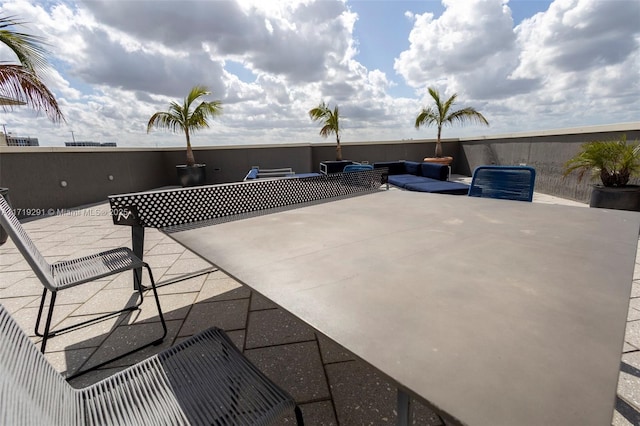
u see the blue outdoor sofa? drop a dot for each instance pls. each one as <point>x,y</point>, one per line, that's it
<point>422,177</point>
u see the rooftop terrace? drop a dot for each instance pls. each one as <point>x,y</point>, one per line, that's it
<point>330,384</point>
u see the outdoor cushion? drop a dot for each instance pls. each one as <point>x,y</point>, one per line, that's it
<point>439,186</point>
<point>403,180</point>
<point>412,168</point>
<point>434,171</point>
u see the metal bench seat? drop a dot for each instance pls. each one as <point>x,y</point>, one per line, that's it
<point>204,380</point>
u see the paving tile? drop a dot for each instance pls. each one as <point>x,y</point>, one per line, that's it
<point>333,352</point>
<point>13,304</point>
<point>259,302</point>
<point>107,300</point>
<point>227,315</point>
<point>633,333</point>
<point>16,267</point>
<point>165,248</point>
<point>161,261</point>
<point>187,266</point>
<point>295,367</point>
<point>276,327</point>
<point>186,285</point>
<point>315,413</point>
<point>11,277</point>
<point>363,397</point>
<point>67,362</point>
<point>10,258</point>
<point>174,307</point>
<point>78,294</point>
<point>629,380</point>
<point>90,336</point>
<point>620,420</point>
<point>28,286</point>
<point>224,288</point>
<point>26,317</point>
<point>128,337</point>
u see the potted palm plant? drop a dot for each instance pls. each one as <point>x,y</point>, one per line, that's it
<point>440,114</point>
<point>613,162</point>
<point>331,123</point>
<point>188,118</point>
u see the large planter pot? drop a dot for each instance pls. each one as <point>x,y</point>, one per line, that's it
<point>192,175</point>
<point>4,192</point>
<point>439,160</point>
<point>618,198</point>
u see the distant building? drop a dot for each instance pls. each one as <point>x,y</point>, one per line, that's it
<point>9,140</point>
<point>88,143</point>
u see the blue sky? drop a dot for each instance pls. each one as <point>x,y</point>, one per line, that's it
<point>527,65</point>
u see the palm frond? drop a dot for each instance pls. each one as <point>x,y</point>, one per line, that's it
<point>330,119</point>
<point>22,82</point>
<point>29,49</point>
<point>465,115</point>
<point>23,85</point>
<point>426,117</point>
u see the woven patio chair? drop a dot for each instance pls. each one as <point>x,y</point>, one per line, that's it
<point>504,182</point>
<point>70,273</point>
<point>204,380</point>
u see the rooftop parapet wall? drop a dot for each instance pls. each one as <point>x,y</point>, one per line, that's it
<point>35,175</point>
<point>547,153</point>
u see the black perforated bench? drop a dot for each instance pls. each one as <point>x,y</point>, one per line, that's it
<point>176,209</point>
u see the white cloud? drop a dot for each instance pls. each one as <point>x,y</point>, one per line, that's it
<point>559,67</point>
<point>117,62</point>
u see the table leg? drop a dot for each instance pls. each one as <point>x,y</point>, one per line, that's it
<point>404,408</point>
<point>137,245</point>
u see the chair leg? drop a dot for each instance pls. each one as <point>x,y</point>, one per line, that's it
<point>47,326</point>
<point>42,299</point>
<point>155,295</point>
<point>299,419</point>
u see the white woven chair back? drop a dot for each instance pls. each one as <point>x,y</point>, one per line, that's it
<point>21,239</point>
<point>32,392</point>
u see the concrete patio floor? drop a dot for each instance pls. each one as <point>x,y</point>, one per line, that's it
<point>331,385</point>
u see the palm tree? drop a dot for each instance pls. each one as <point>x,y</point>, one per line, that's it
<point>21,84</point>
<point>613,161</point>
<point>331,121</point>
<point>440,115</point>
<point>184,118</point>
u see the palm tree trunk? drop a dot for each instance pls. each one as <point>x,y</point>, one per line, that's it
<point>190,159</point>
<point>438,144</point>
<point>338,149</point>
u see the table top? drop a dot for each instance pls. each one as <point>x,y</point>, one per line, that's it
<point>493,311</point>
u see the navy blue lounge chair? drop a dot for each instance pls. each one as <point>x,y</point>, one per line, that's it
<point>503,182</point>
